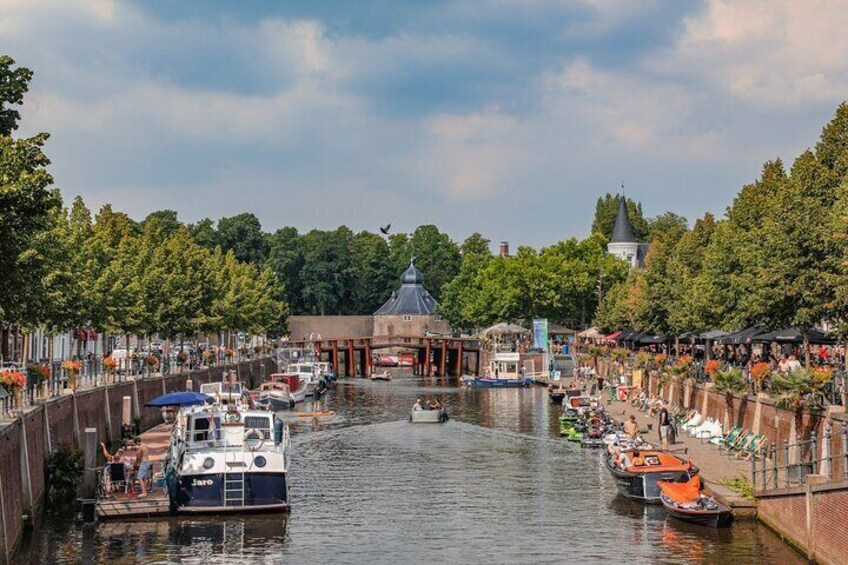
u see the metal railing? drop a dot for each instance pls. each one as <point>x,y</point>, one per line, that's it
<point>93,373</point>
<point>789,465</point>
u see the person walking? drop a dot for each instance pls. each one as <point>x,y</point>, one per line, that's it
<point>144,466</point>
<point>665,427</point>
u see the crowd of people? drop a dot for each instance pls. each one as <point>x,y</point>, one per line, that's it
<point>129,467</point>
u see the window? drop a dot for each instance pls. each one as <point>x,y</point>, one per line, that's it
<point>407,318</point>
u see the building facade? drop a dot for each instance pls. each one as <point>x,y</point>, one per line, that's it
<point>410,310</point>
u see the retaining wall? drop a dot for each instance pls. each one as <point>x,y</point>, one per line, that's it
<point>810,517</point>
<point>61,421</point>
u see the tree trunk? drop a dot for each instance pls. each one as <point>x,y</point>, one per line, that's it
<point>806,350</point>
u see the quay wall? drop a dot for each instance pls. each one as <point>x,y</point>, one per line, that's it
<point>27,440</point>
<point>810,517</point>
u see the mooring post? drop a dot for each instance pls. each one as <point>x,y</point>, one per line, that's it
<point>799,461</point>
<point>828,443</point>
<point>89,478</point>
<point>754,472</point>
<point>189,385</point>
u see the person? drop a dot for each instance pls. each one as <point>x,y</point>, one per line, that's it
<point>623,460</point>
<point>665,427</point>
<point>783,365</point>
<point>435,405</point>
<point>600,384</point>
<point>631,428</point>
<point>117,459</point>
<point>794,364</point>
<point>417,406</point>
<point>144,466</point>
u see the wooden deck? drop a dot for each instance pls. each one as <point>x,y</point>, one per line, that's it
<point>156,503</point>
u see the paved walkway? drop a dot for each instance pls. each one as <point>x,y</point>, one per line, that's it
<point>715,467</point>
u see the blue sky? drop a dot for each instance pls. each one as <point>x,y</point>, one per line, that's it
<point>501,116</point>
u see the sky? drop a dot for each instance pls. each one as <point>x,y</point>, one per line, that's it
<point>505,117</point>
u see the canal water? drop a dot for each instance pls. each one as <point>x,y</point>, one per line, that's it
<point>496,484</point>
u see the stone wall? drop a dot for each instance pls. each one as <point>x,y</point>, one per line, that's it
<point>61,421</point>
<point>330,327</point>
<point>810,517</point>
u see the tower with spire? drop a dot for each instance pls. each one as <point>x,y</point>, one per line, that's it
<point>624,244</point>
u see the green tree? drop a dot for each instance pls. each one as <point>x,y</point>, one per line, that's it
<point>372,276</point>
<point>203,232</point>
<point>798,391</point>
<point>242,234</point>
<point>730,383</point>
<point>327,275</point>
<point>285,259</point>
<point>437,257</point>
<point>14,83</point>
<point>475,243</point>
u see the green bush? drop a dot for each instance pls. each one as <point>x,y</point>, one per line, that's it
<point>64,472</point>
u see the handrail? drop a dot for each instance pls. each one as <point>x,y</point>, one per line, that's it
<point>795,473</point>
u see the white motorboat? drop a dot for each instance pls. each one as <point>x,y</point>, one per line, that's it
<point>225,392</point>
<point>228,459</point>
<point>428,416</point>
<point>274,396</point>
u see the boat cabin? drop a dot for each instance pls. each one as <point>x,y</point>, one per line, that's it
<point>213,428</point>
<point>223,392</point>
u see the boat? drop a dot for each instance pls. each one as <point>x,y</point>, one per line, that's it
<point>496,382</point>
<point>428,416</point>
<point>559,393</point>
<point>274,396</point>
<point>686,501</point>
<point>308,373</point>
<point>223,392</point>
<point>637,473</point>
<point>384,376</point>
<point>228,459</point>
<point>316,414</point>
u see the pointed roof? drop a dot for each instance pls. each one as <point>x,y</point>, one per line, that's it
<point>411,299</point>
<point>622,232</point>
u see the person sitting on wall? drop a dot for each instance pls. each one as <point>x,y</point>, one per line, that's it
<point>435,405</point>
<point>417,406</point>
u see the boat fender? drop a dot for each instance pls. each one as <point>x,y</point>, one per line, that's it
<point>278,432</point>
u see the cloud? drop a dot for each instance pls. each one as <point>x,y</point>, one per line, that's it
<point>508,119</point>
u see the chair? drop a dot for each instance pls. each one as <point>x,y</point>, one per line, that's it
<point>117,476</point>
<point>728,439</point>
<point>742,440</point>
<point>752,449</point>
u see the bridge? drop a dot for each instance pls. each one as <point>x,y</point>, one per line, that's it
<point>435,355</point>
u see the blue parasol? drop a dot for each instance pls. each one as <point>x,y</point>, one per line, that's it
<point>187,398</point>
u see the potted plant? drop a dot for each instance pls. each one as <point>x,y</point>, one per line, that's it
<point>72,368</point>
<point>759,372</point>
<point>209,357</point>
<point>228,353</point>
<point>798,391</point>
<point>41,373</point>
<point>14,382</point>
<point>151,360</point>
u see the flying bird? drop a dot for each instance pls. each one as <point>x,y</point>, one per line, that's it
<point>386,229</point>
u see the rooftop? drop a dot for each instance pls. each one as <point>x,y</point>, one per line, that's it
<point>411,299</point>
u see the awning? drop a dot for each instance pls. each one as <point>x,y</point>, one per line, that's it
<point>591,333</point>
<point>743,336</point>
<point>796,335</point>
<point>713,335</point>
<point>657,339</point>
<point>613,336</point>
<point>504,329</point>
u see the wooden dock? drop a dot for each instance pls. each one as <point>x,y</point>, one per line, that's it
<point>121,504</point>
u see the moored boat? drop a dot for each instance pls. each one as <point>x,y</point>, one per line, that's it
<point>228,459</point>
<point>497,382</point>
<point>637,473</point>
<point>384,376</point>
<point>274,396</point>
<point>686,501</point>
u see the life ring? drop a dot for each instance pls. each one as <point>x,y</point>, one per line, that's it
<point>260,435</point>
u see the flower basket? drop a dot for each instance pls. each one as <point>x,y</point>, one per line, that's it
<point>151,361</point>
<point>182,358</point>
<point>759,371</point>
<point>110,364</point>
<point>73,369</point>
<point>14,382</point>
<point>41,374</point>
<point>228,353</point>
<point>712,367</point>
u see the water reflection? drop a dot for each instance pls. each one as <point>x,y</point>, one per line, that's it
<point>496,484</point>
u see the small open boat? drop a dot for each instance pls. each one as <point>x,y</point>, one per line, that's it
<point>439,416</point>
<point>384,376</point>
<point>316,414</point>
<point>685,501</point>
<point>637,473</point>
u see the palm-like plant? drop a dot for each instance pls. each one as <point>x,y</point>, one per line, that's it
<point>797,391</point>
<point>730,383</point>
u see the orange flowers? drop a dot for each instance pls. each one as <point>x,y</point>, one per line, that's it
<point>712,367</point>
<point>760,370</point>
<point>660,358</point>
<point>12,380</point>
<point>684,362</point>
<point>823,374</point>
<point>41,372</point>
<point>71,366</point>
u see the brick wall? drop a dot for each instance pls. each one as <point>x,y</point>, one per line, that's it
<point>331,326</point>
<point>90,412</point>
<point>821,535</point>
<point>11,486</point>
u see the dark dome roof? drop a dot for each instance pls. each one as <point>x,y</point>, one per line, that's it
<point>411,298</point>
<point>412,275</point>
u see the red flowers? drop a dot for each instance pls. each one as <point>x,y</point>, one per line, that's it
<point>12,380</point>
